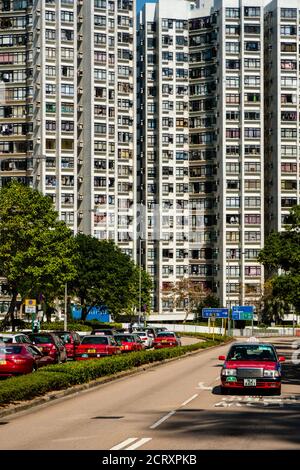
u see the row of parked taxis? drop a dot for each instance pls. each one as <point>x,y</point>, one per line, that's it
<point>26,352</point>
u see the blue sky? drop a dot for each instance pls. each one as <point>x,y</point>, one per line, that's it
<point>140,3</point>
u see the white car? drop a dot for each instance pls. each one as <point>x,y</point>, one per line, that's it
<point>145,338</point>
<point>14,338</point>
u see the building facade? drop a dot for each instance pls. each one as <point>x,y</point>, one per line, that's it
<point>67,110</point>
<point>241,160</point>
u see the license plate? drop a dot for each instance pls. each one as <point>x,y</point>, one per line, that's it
<point>91,351</point>
<point>2,363</point>
<point>250,382</point>
<point>164,341</point>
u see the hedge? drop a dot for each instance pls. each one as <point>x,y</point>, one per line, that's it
<point>62,376</point>
<point>78,326</point>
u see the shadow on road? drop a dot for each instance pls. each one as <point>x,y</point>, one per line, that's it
<point>242,392</point>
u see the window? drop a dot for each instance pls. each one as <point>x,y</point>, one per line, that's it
<point>233,202</point>
<point>252,201</point>
<point>252,97</point>
<point>252,219</point>
<point>288,12</point>
<point>252,46</point>
<point>232,12</point>
<point>252,132</point>
<point>251,11</point>
<point>232,47</point>
<point>252,236</point>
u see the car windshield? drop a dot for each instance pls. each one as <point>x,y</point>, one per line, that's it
<point>10,350</point>
<point>93,340</point>
<point>65,337</point>
<point>165,334</point>
<point>41,339</point>
<point>141,333</point>
<point>253,352</point>
<point>125,338</point>
<point>6,339</point>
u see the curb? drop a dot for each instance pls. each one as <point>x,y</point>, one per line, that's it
<point>60,395</point>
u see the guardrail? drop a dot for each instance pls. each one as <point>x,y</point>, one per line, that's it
<point>246,332</point>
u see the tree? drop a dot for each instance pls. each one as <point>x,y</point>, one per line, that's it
<point>282,252</point>
<point>274,308</point>
<point>37,251</point>
<point>185,293</point>
<point>210,301</point>
<point>106,276</point>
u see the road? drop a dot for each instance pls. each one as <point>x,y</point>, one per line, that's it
<point>175,406</point>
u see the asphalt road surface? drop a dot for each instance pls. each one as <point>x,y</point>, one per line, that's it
<point>175,406</point>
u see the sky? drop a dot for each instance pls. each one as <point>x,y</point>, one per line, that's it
<point>140,3</point>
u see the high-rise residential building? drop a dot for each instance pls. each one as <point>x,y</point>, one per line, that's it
<point>237,161</point>
<point>282,151</point>
<point>163,143</point>
<point>67,109</point>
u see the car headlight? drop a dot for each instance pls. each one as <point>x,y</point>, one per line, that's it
<point>227,372</point>
<point>271,373</point>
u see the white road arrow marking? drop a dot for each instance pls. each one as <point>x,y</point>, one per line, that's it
<point>203,387</point>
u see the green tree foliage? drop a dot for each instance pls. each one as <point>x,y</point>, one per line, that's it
<point>282,252</point>
<point>210,301</point>
<point>107,276</point>
<point>37,251</point>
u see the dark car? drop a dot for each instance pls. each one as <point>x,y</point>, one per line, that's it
<point>17,359</point>
<point>103,331</point>
<point>71,340</point>
<point>251,366</point>
<point>50,344</point>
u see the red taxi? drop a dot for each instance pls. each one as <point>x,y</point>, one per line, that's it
<point>17,359</point>
<point>166,339</point>
<point>129,342</point>
<point>251,366</point>
<point>93,347</point>
<point>50,344</point>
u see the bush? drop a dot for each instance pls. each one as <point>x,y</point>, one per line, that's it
<point>61,376</point>
<point>79,326</point>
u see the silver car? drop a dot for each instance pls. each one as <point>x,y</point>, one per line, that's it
<point>145,338</point>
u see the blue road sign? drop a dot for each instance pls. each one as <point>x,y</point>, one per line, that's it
<point>218,312</point>
<point>242,312</point>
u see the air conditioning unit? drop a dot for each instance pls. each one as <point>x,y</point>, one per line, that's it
<point>80,215</point>
<point>80,197</point>
<point>80,179</point>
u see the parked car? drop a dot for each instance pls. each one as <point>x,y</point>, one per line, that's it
<point>17,359</point>
<point>251,366</point>
<point>50,344</point>
<point>129,342</point>
<point>145,338</point>
<point>166,339</point>
<point>18,338</point>
<point>96,346</point>
<point>103,331</point>
<point>71,340</point>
